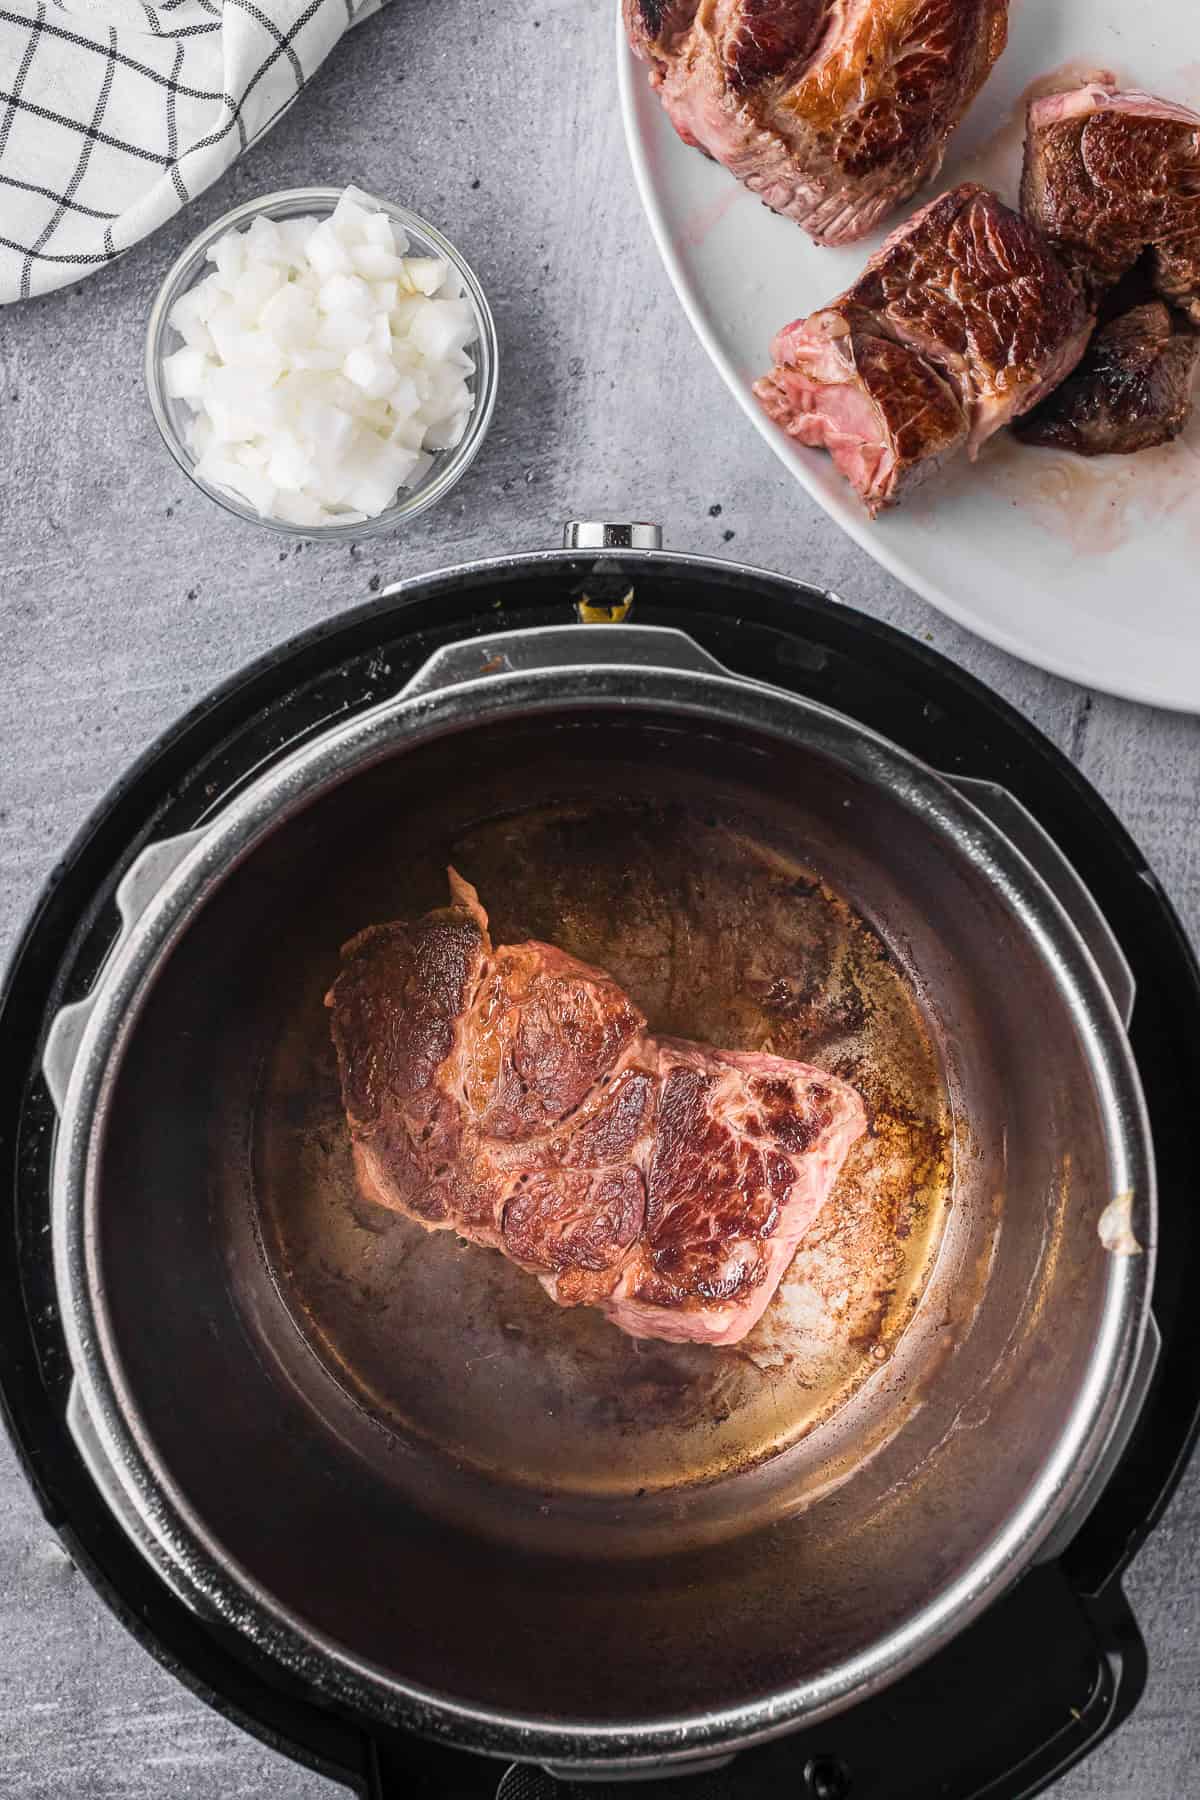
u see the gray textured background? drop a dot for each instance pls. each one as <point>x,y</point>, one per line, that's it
<point>124,595</point>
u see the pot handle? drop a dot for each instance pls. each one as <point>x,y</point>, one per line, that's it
<point>563,647</point>
<point>1038,847</point>
<point>141,881</point>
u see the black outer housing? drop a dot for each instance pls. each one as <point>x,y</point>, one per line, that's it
<point>1049,1670</point>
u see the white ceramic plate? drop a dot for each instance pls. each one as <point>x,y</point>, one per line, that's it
<point>1089,568</point>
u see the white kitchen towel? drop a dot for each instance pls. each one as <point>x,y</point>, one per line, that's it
<point>115,113</point>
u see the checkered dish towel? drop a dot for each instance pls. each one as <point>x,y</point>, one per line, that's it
<point>115,113</point>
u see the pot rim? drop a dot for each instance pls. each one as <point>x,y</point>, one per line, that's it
<point>177,1541</point>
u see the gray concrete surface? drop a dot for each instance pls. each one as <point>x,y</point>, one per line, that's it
<point>124,595</point>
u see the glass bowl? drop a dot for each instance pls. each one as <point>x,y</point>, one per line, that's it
<point>172,415</point>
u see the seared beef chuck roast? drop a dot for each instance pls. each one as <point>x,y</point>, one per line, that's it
<point>962,320</point>
<point>1131,391</point>
<point>1111,176</point>
<point>832,111</point>
<point>513,1094</point>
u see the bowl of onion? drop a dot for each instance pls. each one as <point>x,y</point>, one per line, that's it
<point>322,362</point>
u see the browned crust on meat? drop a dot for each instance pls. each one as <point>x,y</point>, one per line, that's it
<point>513,1095</point>
<point>792,1130</point>
<point>960,322</point>
<point>575,1218</point>
<point>706,1189</point>
<point>834,114</point>
<point>920,413</point>
<point>886,89</point>
<point>544,1028</point>
<point>1131,392</point>
<point>401,991</point>
<point>978,286</point>
<point>1107,184</point>
<point>767,39</point>
<point>919,416</point>
<point>655,27</point>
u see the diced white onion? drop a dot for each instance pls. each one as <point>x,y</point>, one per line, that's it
<point>343,294</point>
<point>298,509</point>
<point>289,317</point>
<point>343,331</point>
<point>326,252</point>
<point>425,274</point>
<point>371,372</point>
<point>376,263</point>
<point>350,215</point>
<point>183,373</point>
<point>229,255</point>
<point>380,231</point>
<point>324,367</point>
<point>265,242</point>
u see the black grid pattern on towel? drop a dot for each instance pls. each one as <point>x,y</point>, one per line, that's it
<point>90,107</point>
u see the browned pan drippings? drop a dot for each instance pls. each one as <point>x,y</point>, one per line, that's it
<point>718,937</point>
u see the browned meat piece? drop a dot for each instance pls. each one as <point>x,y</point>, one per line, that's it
<point>514,1095</point>
<point>1131,391</point>
<point>1111,176</point>
<point>832,111</point>
<point>961,321</point>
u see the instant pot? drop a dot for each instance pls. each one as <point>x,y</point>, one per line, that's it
<point>400,1610</point>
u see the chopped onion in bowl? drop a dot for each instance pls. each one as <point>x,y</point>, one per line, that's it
<point>323,365</point>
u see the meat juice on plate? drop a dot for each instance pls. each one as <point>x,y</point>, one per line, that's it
<point>718,937</point>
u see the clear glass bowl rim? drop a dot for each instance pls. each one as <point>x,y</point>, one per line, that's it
<point>293,202</point>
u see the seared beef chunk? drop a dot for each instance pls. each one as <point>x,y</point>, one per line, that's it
<point>961,321</point>
<point>514,1095</point>
<point>833,111</point>
<point>1131,391</point>
<point>1109,176</point>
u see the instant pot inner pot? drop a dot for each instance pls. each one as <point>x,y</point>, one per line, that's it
<point>403,1441</point>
